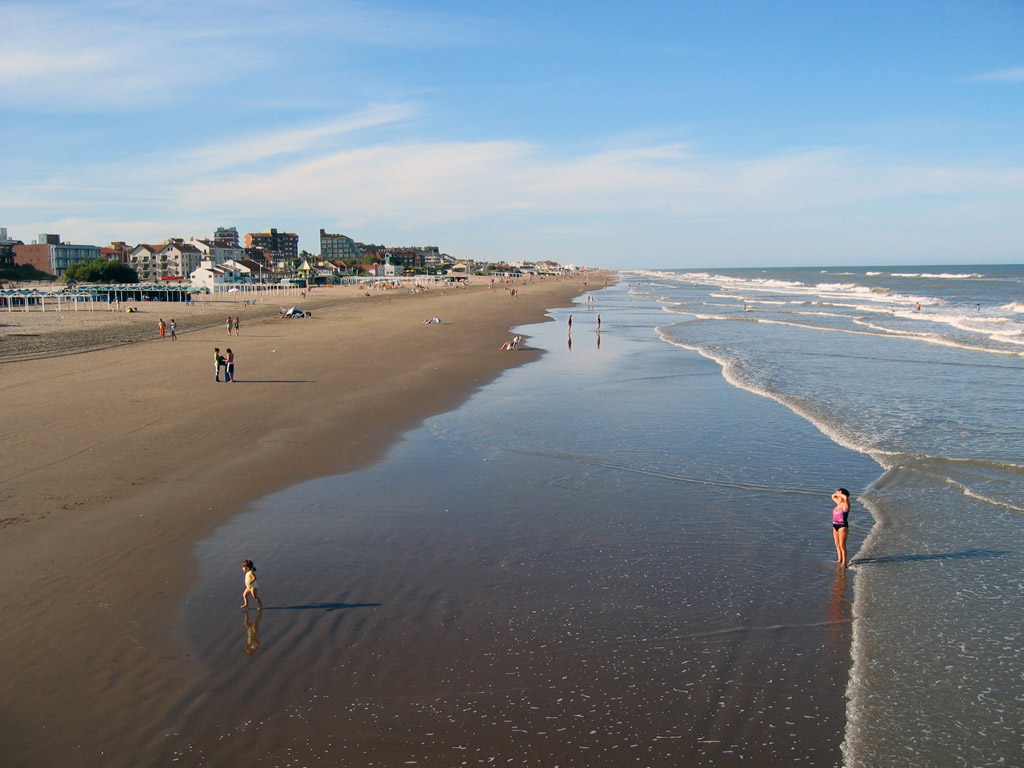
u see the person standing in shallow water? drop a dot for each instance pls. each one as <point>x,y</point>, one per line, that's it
<point>841,523</point>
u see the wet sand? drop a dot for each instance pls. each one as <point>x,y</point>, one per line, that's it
<point>554,573</point>
<point>117,461</point>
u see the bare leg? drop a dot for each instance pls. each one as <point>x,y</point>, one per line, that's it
<point>842,545</point>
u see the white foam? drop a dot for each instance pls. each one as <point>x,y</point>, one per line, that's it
<point>731,374</point>
<point>938,276</point>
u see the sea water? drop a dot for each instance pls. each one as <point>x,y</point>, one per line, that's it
<point>921,369</point>
<point>615,556</point>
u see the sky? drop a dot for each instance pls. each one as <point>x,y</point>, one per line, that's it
<point>648,134</point>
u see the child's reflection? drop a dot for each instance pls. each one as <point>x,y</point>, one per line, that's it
<point>252,627</point>
<point>838,617</point>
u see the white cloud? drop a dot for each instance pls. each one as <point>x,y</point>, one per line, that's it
<point>252,150</point>
<point>97,55</point>
<point>480,194</point>
<point>999,76</point>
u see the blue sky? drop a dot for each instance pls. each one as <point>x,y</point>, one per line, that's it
<point>643,134</point>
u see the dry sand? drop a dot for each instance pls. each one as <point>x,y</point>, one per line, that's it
<point>117,460</point>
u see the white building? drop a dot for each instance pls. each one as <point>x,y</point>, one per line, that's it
<point>216,252</point>
<point>214,277</point>
<point>178,258</point>
<point>143,259</point>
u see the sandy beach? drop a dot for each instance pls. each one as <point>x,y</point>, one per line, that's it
<point>117,460</point>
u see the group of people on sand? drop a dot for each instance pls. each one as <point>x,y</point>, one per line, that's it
<point>233,325</point>
<point>225,362</point>
<point>164,328</point>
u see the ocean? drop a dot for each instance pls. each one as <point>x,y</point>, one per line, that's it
<point>919,368</point>
<point>621,553</point>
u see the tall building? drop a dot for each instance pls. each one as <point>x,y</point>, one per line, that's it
<point>275,245</point>
<point>226,237</point>
<point>338,247</point>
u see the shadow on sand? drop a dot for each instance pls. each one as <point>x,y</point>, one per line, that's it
<point>320,606</point>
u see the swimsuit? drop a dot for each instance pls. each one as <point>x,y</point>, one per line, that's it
<point>839,518</point>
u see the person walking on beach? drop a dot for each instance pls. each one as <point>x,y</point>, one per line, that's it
<point>598,323</point>
<point>162,328</point>
<point>251,587</point>
<point>841,523</point>
<point>218,363</point>
<point>174,330</point>
<point>236,324</point>
<point>229,366</point>
<point>570,323</point>
<point>231,324</point>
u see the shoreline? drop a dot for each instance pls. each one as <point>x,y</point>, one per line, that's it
<point>95,560</point>
<point>583,588</point>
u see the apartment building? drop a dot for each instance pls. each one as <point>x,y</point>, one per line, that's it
<point>334,247</point>
<point>275,245</point>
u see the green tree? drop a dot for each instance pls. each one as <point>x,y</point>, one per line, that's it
<point>24,272</point>
<point>100,270</point>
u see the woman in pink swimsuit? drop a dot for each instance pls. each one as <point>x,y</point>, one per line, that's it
<point>840,523</point>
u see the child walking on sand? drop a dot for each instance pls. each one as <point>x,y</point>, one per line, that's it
<point>251,587</point>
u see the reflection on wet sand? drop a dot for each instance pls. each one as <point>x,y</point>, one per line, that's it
<point>252,627</point>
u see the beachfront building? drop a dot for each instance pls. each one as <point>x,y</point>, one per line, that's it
<point>217,251</point>
<point>380,270</point>
<point>214,277</point>
<point>333,247</point>
<point>415,257</point>
<point>143,259</point>
<point>283,246</point>
<point>178,259</point>
<point>49,254</point>
<point>248,270</point>
<point>166,261</point>
<point>460,269</point>
<point>331,271</point>
<point>116,251</point>
<point>305,270</point>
